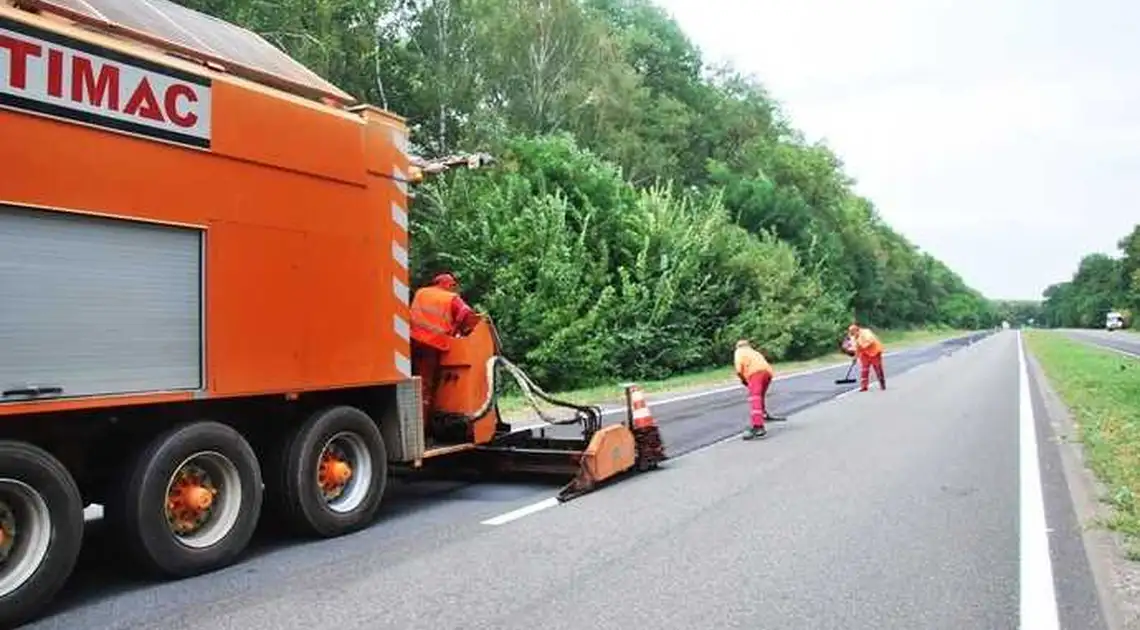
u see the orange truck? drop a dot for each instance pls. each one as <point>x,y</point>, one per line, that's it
<point>204,303</point>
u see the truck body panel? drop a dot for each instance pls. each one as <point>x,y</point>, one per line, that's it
<point>79,291</point>
<point>303,281</point>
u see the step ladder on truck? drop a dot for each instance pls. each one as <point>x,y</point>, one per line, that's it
<point>197,332</point>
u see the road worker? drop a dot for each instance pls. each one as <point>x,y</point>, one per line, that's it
<point>439,314</point>
<point>755,373</point>
<point>869,351</point>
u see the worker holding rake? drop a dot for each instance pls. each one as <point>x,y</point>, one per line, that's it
<point>869,351</point>
<point>755,373</point>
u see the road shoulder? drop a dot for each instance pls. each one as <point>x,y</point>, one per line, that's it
<point>1116,578</point>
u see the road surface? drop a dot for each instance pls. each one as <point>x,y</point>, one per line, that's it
<point>1123,341</point>
<point>895,509</point>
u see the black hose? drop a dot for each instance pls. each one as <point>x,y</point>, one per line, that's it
<point>589,416</point>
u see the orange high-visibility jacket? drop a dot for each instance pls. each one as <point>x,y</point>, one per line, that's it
<point>432,321</point>
<point>867,344</point>
<point>749,361</point>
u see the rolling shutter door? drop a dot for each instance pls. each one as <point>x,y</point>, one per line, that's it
<point>98,306</point>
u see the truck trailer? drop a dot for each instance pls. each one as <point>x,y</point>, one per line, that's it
<point>205,304</point>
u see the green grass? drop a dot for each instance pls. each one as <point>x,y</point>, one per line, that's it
<point>892,339</point>
<point>1102,390</point>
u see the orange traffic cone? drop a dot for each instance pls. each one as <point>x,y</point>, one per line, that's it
<point>647,437</point>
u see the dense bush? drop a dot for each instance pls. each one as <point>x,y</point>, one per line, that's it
<point>588,277</point>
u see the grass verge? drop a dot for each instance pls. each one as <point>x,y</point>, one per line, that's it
<point>1102,391</point>
<point>511,405</point>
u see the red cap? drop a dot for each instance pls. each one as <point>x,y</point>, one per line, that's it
<point>445,280</point>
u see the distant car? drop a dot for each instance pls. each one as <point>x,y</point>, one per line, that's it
<point>1113,321</point>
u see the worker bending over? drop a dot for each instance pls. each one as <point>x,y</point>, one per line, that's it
<point>755,373</point>
<point>439,314</point>
<point>869,350</point>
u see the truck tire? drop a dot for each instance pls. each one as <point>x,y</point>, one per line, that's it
<point>190,501</point>
<point>40,502</point>
<point>308,493</point>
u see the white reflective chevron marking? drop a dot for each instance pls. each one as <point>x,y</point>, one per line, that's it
<point>400,254</point>
<point>403,364</point>
<point>400,216</point>
<point>402,328</point>
<point>400,289</point>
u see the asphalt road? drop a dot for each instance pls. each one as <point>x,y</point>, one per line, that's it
<point>690,421</point>
<point>895,509</point>
<point>1123,341</point>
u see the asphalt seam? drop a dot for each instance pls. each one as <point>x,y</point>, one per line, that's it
<point>550,502</point>
<point>728,388</point>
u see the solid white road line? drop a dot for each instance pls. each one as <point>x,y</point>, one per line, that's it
<point>1038,597</point>
<point>526,510</point>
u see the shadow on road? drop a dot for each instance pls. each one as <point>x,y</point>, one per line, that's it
<point>102,570</point>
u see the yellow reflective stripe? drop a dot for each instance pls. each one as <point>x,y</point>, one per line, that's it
<point>429,315</point>
<point>431,309</point>
<point>429,326</point>
<point>428,323</point>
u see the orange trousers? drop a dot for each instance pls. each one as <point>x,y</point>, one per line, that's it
<point>425,364</point>
<point>757,389</point>
<point>865,365</point>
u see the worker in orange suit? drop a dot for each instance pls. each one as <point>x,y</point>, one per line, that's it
<point>439,314</point>
<point>869,350</point>
<point>755,373</point>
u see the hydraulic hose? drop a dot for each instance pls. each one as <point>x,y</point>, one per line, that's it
<point>589,417</point>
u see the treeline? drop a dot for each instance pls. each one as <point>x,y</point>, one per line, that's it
<point>1100,284</point>
<point>1019,312</point>
<point>647,209</point>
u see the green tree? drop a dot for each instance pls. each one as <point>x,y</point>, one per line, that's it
<point>647,210</point>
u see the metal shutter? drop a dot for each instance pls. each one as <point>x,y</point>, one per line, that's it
<point>98,306</point>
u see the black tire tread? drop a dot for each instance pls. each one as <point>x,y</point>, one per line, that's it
<point>123,507</point>
<point>292,497</point>
<point>66,506</point>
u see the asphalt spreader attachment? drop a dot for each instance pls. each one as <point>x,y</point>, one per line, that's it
<point>470,439</point>
<point>611,452</point>
<point>596,457</point>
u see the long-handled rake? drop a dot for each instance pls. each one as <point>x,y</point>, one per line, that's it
<point>849,379</point>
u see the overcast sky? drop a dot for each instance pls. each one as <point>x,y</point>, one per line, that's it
<point>1001,136</point>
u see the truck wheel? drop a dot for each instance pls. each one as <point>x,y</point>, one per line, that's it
<point>333,472</point>
<point>191,501</point>
<point>41,529</point>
